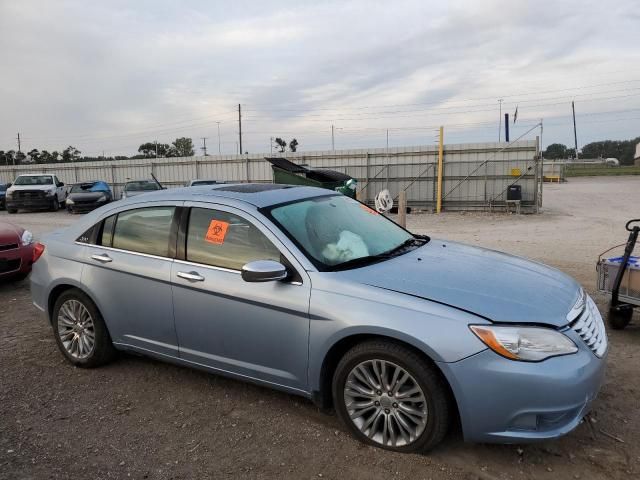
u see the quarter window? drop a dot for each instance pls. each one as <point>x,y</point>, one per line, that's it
<point>106,234</point>
<point>144,230</point>
<point>222,239</point>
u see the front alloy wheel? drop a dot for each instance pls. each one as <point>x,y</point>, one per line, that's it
<point>391,396</point>
<point>385,403</point>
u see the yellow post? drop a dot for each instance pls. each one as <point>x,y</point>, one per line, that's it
<point>440,168</point>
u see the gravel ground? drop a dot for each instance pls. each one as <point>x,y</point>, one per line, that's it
<point>139,418</point>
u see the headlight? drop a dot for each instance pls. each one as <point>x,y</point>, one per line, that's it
<point>27,238</point>
<point>8,194</point>
<point>528,344</point>
<point>70,201</point>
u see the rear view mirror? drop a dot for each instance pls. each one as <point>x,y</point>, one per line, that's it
<point>264,271</point>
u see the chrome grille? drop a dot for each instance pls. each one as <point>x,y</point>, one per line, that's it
<point>589,325</point>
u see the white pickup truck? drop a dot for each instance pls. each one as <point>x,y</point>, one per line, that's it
<point>35,192</point>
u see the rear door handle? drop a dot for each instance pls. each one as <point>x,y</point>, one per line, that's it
<point>102,257</point>
<point>191,276</point>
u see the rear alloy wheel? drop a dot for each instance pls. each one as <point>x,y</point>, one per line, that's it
<point>390,397</point>
<point>80,331</point>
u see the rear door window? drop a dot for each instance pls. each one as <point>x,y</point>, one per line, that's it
<point>143,230</point>
<point>226,240</point>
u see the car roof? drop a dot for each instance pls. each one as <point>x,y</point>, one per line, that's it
<point>36,175</point>
<point>256,194</point>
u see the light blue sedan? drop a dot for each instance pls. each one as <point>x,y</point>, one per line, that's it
<point>314,293</point>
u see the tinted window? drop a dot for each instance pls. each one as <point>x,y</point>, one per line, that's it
<point>225,240</point>
<point>106,235</point>
<point>144,230</point>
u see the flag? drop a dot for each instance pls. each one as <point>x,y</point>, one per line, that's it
<point>515,115</point>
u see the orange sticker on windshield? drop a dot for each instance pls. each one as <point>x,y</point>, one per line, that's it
<point>368,209</point>
<point>216,232</point>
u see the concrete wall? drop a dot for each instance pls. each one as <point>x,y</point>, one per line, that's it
<point>475,175</point>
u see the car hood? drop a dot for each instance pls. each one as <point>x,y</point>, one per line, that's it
<point>86,196</point>
<point>494,285</point>
<point>9,233</point>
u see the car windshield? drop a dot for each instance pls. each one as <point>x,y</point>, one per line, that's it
<point>337,232</point>
<point>83,187</point>
<point>203,182</point>
<point>34,180</point>
<point>141,186</point>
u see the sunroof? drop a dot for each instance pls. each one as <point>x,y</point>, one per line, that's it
<point>252,187</point>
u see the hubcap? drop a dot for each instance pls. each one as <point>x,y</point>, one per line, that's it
<point>75,328</point>
<point>385,403</point>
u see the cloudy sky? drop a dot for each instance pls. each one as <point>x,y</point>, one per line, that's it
<point>107,76</point>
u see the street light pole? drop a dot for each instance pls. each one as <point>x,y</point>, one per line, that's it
<point>219,147</point>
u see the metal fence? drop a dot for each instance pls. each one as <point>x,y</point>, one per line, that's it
<point>476,176</point>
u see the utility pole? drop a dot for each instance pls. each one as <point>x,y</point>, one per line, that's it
<point>271,145</point>
<point>506,127</point>
<point>219,145</point>
<point>333,144</point>
<point>204,145</point>
<point>575,134</point>
<point>156,142</point>
<point>18,142</point>
<point>500,119</point>
<point>240,127</point>
<point>387,139</point>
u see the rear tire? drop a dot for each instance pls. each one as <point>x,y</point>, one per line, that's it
<point>404,416</point>
<point>80,331</point>
<point>12,210</point>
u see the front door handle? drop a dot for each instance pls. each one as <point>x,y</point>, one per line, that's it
<point>102,257</point>
<point>191,276</point>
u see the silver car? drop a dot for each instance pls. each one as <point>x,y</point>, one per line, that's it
<point>316,294</point>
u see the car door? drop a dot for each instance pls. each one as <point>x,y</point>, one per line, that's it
<point>128,273</point>
<point>256,330</point>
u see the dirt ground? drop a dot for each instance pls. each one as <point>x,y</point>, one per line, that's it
<point>139,418</point>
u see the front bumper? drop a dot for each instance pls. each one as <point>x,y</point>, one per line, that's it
<point>84,207</point>
<point>506,401</point>
<point>30,203</point>
<point>16,261</point>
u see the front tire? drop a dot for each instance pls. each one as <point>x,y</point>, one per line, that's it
<point>391,397</point>
<point>55,205</point>
<point>12,210</point>
<point>80,331</point>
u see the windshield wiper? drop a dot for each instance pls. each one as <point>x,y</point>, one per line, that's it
<point>368,259</point>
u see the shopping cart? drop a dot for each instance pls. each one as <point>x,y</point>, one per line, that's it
<point>620,277</point>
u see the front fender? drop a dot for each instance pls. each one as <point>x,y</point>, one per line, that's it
<point>440,331</point>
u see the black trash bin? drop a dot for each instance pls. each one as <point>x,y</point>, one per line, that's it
<point>514,192</point>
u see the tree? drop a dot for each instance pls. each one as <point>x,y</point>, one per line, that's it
<point>181,147</point>
<point>556,151</point>
<point>151,149</point>
<point>71,154</point>
<point>35,155</point>
<point>282,145</point>
<point>623,150</point>
<point>293,145</point>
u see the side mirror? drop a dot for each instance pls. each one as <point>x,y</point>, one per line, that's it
<point>9,184</point>
<point>264,271</point>
<point>61,184</point>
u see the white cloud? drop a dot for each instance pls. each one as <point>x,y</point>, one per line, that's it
<point>112,75</point>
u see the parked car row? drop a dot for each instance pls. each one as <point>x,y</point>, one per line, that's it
<point>46,192</point>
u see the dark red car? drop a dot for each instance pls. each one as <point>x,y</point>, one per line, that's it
<point>16,251</point>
